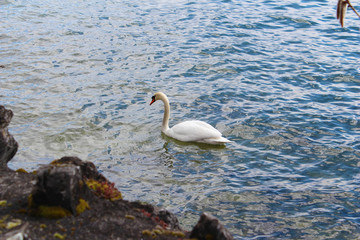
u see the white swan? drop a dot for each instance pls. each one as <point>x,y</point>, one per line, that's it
<point>188,131</point>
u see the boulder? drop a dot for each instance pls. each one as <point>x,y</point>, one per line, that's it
<point>8,145</point>
<point>209,228</point>
<point>57,186</point>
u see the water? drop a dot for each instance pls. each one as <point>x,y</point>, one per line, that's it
<point>278,78</point>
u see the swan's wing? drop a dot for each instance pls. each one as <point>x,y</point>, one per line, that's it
<point>193,131</point>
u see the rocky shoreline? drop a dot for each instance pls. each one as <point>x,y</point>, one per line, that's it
<point>70,199</point>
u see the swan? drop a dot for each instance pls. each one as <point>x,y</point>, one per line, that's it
<point>188,131</point>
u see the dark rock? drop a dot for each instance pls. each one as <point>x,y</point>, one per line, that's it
<point>163,217</point>
<point>209,228</point>
<point>169,218</point>
<point>58,185</point>
<point>15,186</point>
<point>88,169</point>
<point>8,145</point>
<point>5,117</point>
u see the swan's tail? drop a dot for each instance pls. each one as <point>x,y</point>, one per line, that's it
<point>220,140</point>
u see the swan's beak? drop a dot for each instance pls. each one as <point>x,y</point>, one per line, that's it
<point>153,100</point>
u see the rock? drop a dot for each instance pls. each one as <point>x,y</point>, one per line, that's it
<point>209,228</point>
<point>8,145</point>
<point>88,169</point>
<point>58,186</point>
<point>162,217</point>
<point>5,117</point>
<point>17,234</point>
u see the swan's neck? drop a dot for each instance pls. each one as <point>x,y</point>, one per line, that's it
<point>165,122</point>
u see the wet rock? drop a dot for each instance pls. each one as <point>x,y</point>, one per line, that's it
<point>162,217</point>
<point>209,227</point>
<point>87,169</point>
<point>58,186</point>
<point>5,117</point>
<point>8,145</point>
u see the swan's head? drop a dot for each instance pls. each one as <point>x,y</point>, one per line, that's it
<point>158,96</point>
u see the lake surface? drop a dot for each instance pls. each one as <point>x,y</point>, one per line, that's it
<point>278,78</point>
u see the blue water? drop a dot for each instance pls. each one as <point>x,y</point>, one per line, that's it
<point>279,78</point>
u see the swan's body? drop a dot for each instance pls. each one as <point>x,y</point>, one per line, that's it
<point>188,131</point>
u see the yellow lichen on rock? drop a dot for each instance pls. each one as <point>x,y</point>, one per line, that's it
<point>57,162</point>
<point>13,223</point>
<point>157,231</point>
<point>3,203</point>
<point>30,200</point>
<point>47,211</point>
<point>82,206</point>
<point>148,233</point>
<point>21,170</point>
<point>3,220</point>
<point>104,189</point>
<point>51,211</point>
<point>59,236</point>
<point>130,217</point>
